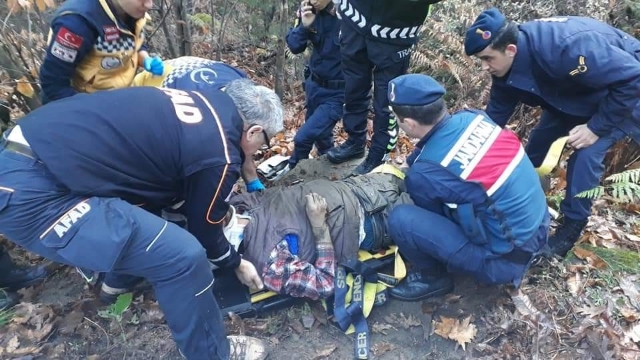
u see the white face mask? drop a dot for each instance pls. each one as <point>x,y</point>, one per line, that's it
<point>234,231</point>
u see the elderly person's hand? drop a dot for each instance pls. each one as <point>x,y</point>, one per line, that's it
<point>316,208</point>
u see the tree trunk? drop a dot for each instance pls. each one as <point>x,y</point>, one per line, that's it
<point>280,58</point>
<point>171,43</point>
<point>182,26</point>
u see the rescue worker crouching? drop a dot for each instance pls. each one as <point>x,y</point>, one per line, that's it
<point>584,74</point>
<point>95,45</point>
<point>71,172</point>
<point>191,73</point>
<point>471,178</point>
<point>324,83</point>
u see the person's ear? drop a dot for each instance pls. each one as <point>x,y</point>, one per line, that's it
<point>511,50</point>
<point>253,132</point>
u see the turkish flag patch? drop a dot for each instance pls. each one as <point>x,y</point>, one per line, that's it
<point>68,39</point>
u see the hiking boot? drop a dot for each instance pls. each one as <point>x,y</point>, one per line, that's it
<point>418,286</point>
<point>246,348</point>
<point>345,151</point>
<point>8,300</point>
<point>566,236</point>
<point>14,277</point>
<point>366,166</point>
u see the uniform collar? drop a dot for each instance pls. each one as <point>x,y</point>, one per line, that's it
<point>434,130</point>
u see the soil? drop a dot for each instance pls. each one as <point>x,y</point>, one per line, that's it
<point>399,330</point>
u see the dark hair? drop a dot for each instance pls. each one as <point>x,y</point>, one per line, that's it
<point>423,114</point>
<point>507,35</point>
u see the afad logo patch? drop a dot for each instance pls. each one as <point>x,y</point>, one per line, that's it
<point>111,33</point>
<point>68,39</point>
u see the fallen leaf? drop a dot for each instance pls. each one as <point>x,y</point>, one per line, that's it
<point>574,284</point>
<point>443,328</point>
<point>523,304</point>
<point>24,87</point>
<point>42,6</point>
<point>324,353</point>
<point>381,328</point>
<point>462,332</point>
<point>628,286</point>
<point>381,347</point>
<point>630,314</point>
<point>237,322</point>
<point>591,311</point>
<point>402,320</point>
<point>13,344</point>
<point>633,333</point>
<point>591,258</point>
<point>40,334</point>
<point>632,237</point>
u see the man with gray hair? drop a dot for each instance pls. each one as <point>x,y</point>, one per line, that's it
<point>82,179</point>
<point>191,73</point>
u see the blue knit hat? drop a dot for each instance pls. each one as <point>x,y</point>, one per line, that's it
<point>482,31</point>
<point>414,90</point>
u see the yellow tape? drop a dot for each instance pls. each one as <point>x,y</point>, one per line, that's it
<point>388,169</point>
<point>553,156</point>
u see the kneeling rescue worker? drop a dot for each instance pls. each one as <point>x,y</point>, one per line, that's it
<point>471,178</point>
<point>95,45</point>
<point>71,172</point>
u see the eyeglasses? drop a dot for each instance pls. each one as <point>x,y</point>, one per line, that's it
<point>267,139</point>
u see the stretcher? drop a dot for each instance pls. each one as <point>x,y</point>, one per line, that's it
<point>233,296</point>
<point>359,285</point>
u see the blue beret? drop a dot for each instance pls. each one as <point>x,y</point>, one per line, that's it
<point>414,90</point>
<point>482,31</point>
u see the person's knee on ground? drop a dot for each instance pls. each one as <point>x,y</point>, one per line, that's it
<point>429,277</point>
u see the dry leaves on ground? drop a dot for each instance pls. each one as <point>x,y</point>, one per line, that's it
<point>460,331</point>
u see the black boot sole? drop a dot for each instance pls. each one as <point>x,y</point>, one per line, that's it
<point>353,156</point>
<point>435,293</point>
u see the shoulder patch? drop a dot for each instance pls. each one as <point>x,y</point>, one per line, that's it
<point>63,53</point>
<point>582,66</point>
<point>111,32</point>
<point>68,39</point>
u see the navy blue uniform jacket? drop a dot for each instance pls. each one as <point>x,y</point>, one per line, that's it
<point>151,147</point>
<point>576,67</point>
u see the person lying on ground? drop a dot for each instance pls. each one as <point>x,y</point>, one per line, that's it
<point>296,235</point>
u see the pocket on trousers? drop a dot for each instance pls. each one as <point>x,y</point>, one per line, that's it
<point>92,234</point>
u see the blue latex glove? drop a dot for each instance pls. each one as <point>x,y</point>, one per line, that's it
<point>153,65</point>
<point>255,185</point>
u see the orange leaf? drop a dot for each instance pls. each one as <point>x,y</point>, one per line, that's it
<point>42,6</point>
<point>591,258</point>
<point>24,87</point>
